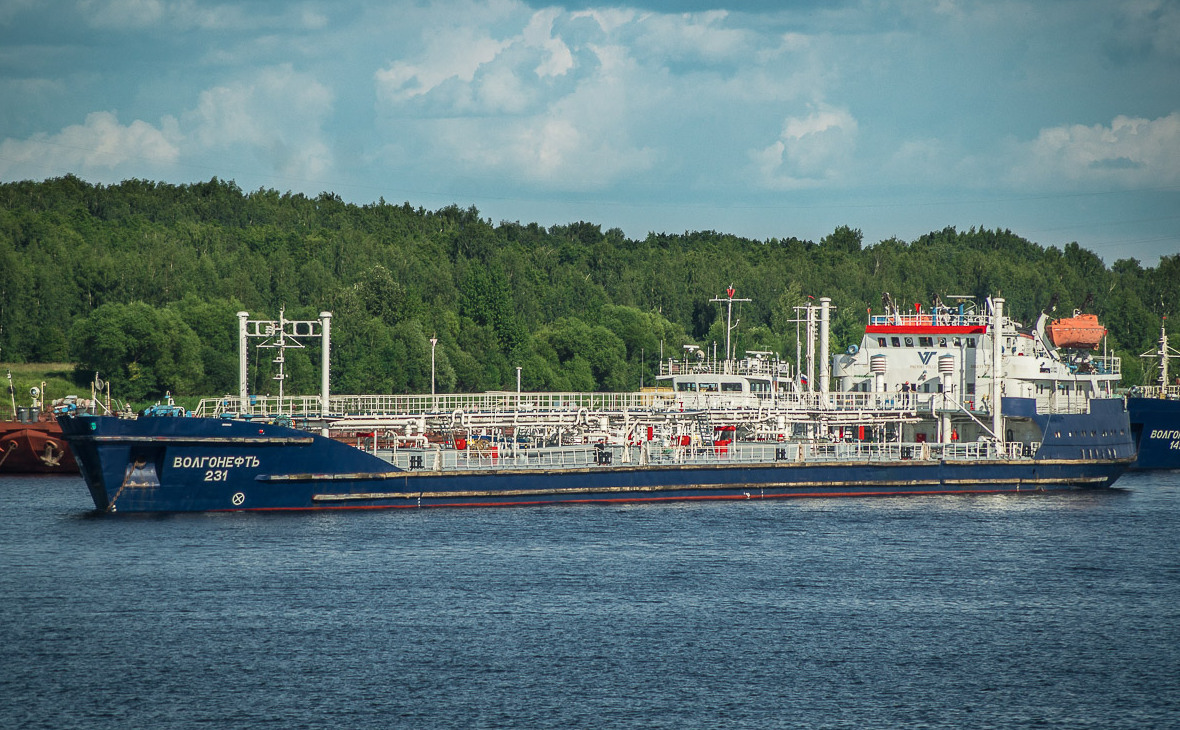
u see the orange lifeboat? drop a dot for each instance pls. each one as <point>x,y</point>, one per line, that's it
<point>1079,332</point>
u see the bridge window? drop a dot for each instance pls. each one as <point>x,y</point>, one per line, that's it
<point>926,341</point>
<point>731,387</point>
<point>686,387</point>
<point>942,342</point>
<point>909,342</point>
<point>882,341</point>
<point>895,341</point>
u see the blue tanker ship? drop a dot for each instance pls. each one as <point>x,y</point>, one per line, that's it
<point>1155,415</point>
<point>720,429</point>
<point>200,464</point>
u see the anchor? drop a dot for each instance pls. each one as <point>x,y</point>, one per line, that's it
<point>52,455</point>
<point>12,446</point>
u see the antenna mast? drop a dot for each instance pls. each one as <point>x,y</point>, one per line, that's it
<point>729,323</point>
<point>282,334</point>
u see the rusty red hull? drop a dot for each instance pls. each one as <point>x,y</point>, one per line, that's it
<point>34,448</point>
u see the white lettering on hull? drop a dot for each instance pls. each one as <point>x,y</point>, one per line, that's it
<point>213,462</point>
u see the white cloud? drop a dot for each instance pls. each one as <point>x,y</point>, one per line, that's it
<point>925,162</point>
<point>608,19</point>
<point>453,53</point>
<point>811,150</point>
<point>312,19</point>
<point>1147,25</point>
<point>277,116</point>
<point>553,150</point>
<point>583,100</point>
<point>122,14</point>
<point>100,145</point>
<point>1131,151</point>
<point>539,34</point>
<point>700,36</point>
<point>464,68</point>
<point>195,14</point>
<point>581,141</point>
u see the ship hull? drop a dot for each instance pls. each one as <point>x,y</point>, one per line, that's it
<point>185,464</point>
<point>1155,426</point>
<point>34,448</point>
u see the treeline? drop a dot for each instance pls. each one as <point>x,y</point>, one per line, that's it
<point>141,282</point>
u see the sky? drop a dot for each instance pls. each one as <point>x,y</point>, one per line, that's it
<point>1056,119</point>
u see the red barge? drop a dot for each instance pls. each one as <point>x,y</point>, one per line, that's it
<point>34,445</point>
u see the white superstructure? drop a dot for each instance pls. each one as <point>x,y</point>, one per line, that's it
<point>954,351</point>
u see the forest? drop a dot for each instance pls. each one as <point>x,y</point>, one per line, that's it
<point>141,282</point>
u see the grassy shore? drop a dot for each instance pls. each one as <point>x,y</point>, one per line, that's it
<point>56,380</point>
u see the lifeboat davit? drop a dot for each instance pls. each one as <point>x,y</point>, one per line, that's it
<point>1079,332</point>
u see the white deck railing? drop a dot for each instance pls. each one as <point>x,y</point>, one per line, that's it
<point>508,455</point>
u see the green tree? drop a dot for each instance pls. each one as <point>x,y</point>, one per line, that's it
<point>843,239</point>
<point>142,351</point>
<point>582,357</point>
<point>496,295</point>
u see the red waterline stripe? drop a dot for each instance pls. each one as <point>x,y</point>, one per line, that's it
<point>1028,489</point>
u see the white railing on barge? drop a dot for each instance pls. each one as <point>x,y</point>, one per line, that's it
<point>496,402</point>
<point>511,456</point>
<point>420,405</point>
<point>1102,365</point>
<point>510,408</point>
<point>344,406</point>
<point>767,367</point>
<point>942,317</point>
<point>1164,392</point>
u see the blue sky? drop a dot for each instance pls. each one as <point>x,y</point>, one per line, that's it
<point>1059,120</point>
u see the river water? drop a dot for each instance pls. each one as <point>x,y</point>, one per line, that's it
<point>1037,611</point>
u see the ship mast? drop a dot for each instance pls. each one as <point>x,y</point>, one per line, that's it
<point>1163,356</point>
<point>1164,353</point>
<point>997,332</point>
<point>729,323</point>
<point>282,334</point>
